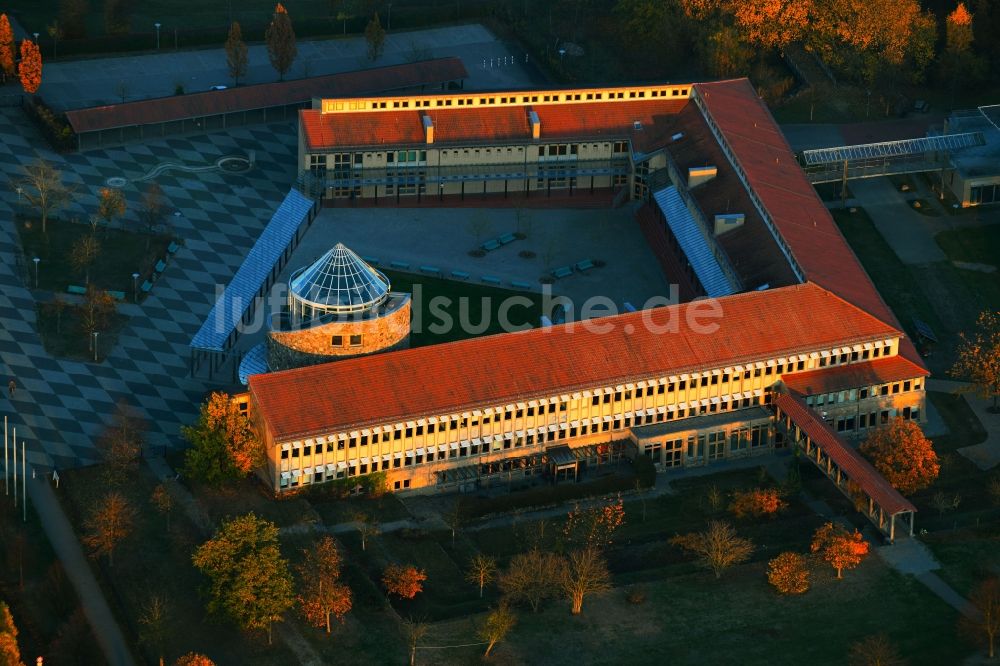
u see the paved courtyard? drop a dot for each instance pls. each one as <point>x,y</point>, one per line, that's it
<point>61,404</point>
<point>78,84</point>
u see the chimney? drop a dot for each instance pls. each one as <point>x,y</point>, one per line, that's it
<point>428,128</point>
<point>728,222</point>
<point>699,175</point>
<point>536,125</point>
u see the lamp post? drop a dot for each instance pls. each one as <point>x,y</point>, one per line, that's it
<point>20,191</point>
<point>135,289</point>
<point>388,20</point>
<point>562,52</point>
<point>36,37</point>
<point>95,346</point>
<point>157,25</point>
<point>36,260</point>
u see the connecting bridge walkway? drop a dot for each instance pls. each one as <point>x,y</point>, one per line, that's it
<point>853,475</point>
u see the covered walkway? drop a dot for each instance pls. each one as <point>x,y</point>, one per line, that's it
<point>853,475</point>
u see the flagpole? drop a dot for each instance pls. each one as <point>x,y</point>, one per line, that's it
<point>6,465</point>
<point>24,486</point>
<point>15,466</point>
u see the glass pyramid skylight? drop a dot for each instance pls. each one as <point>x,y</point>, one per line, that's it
<point>340,281</point>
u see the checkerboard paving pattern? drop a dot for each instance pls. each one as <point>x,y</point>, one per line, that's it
<point>61,405</point>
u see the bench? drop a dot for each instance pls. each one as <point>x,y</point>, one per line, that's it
<point>490,279</point>
<point>117,295</point>
<point>490,245</point>
<point>433,270</point>
<point>75,289</point>
<point>146,286</point>
<point>173,247</point>
<point>161,266</point>
<point>519,284</point>
<point>584,265</point>
<point>401,265</point>
<point>562,271</point>
<point>460,275</point>
<point>507,238</point>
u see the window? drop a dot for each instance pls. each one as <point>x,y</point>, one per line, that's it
<point>337,341</point>
<point>672,453</point>
<point>356,340</point>
<point>620,147</point>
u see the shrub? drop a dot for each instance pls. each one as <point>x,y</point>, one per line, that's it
<point>635,595</point>
<point>788,573</point>
<point>54,128</point>
<point>756,502</point>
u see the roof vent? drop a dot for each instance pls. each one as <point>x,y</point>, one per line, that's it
<point>536,125</point>
<point>677,137</point>
<point>428,128</point>
<point>728,222</point>
<point>702,174</point>
<point>637,124</point>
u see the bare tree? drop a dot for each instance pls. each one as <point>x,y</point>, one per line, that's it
<point>717,548</point>
<point>482,570</point>
<point>496,626</point>
<point>154,625</point>
<point>414,630</point>
<point>121,442</point>
<point>985,598</point>
<point>163,501</point>
<point>453,518</point>
<point>42,186</point>
<point>83,254</point>
<point>367,528</point>
<point>586,573</point>
<point>532,577</point>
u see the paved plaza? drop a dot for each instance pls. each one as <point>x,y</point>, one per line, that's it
<point>79,84</point>
<point>61,404</point>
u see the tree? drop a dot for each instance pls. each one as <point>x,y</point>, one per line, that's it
<point>594,526</point>
<point>788,573</point>
<point>42,186</point>
<point>163,501</point>
<point>57,306</point>
<point>6,47</point>
<point>323,596</point>
<point>110,204</point>
<point>532,577</point>
<point>757,502</point>
<point>979,357</point>
<point>108,525</point>
<point>280,38</point>
<point>902,454</point>
<point>414,630</point>
<point>83,253</point>
<point>839,547</point>
<point>248,579</point>
<point>194,659</point>
<point>121,442</point>
<point>496,626</point>
<point>453,517</point>
<point>224,444</point>
<point>772,23</point>
<point>153,208</point>
<point>30,68</point>
<point>55,31</point>
<point>985,598</point>
<point>367,528</point>
<point>874,651</point>
<point>10,653</point>
<point>405,581</point>
<point>717,548</point>
<point>482,570</point>
<point>95,312</point>
<point>343,10</point>
<point>154,625</point>
<point>117,16</point>
<point>586,573</point>
<point>237,54</point>
<point>73,17</point>
<point>375,38</point>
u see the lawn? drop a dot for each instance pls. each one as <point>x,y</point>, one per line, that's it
<point>383,509</point>
<point>449,310</point>
<point>979,245</point>
<point>121,254</point>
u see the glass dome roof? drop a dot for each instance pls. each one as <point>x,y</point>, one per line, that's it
<point>340,281</point>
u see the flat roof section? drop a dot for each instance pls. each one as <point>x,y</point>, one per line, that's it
<point>854,375</point>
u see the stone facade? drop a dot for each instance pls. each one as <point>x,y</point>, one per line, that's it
<point>317,344</point>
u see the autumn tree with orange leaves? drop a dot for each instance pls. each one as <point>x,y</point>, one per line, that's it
<point>6,47</point>
<point>224,443</point>
<point>788,573</point>
<point>594,527</point>
<point>403,580</point>
<point>194,659</point>
<point>108,525</point>
<point>979,357</point>
<point>903,455</point>
<point>323,596</point>
<point>280,39</point>
<point>30,68</point>
<point>839,547</point>
<point>757,502</point>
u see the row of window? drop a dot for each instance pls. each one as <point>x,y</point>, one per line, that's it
<point>523,99</point>
<point>874,419</point>
<point>851,395</point>
<point>338,340</point>
<point>708,445</point>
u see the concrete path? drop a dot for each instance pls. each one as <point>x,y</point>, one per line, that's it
<point>66,545</point>
<point>910,556</point>
<point>75,84</point>
<point>909,233</point>
<point>985,455</point>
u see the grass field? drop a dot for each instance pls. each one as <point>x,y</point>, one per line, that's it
<point>473,309</point>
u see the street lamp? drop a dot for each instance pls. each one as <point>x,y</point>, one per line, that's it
<point>20,191</point>
<point>135,291</point>
<point>36,37</point>
<point>562,52</point>
<point>157,36</point>
<point>36,260</point>
<point>388,20</point>
<point>95,346</point>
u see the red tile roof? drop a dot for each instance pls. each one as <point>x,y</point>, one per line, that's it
<point>761,151</point>
<point>499,369</point>
<point>462,126</point>
<point>247,98</point>
<point>854,375</point>
<point>843,455</point>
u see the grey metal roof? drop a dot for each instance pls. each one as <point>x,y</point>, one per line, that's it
<point>254,363</point>
<point>340,281</point>
<point>251,275</point>
<point>867,151</point>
